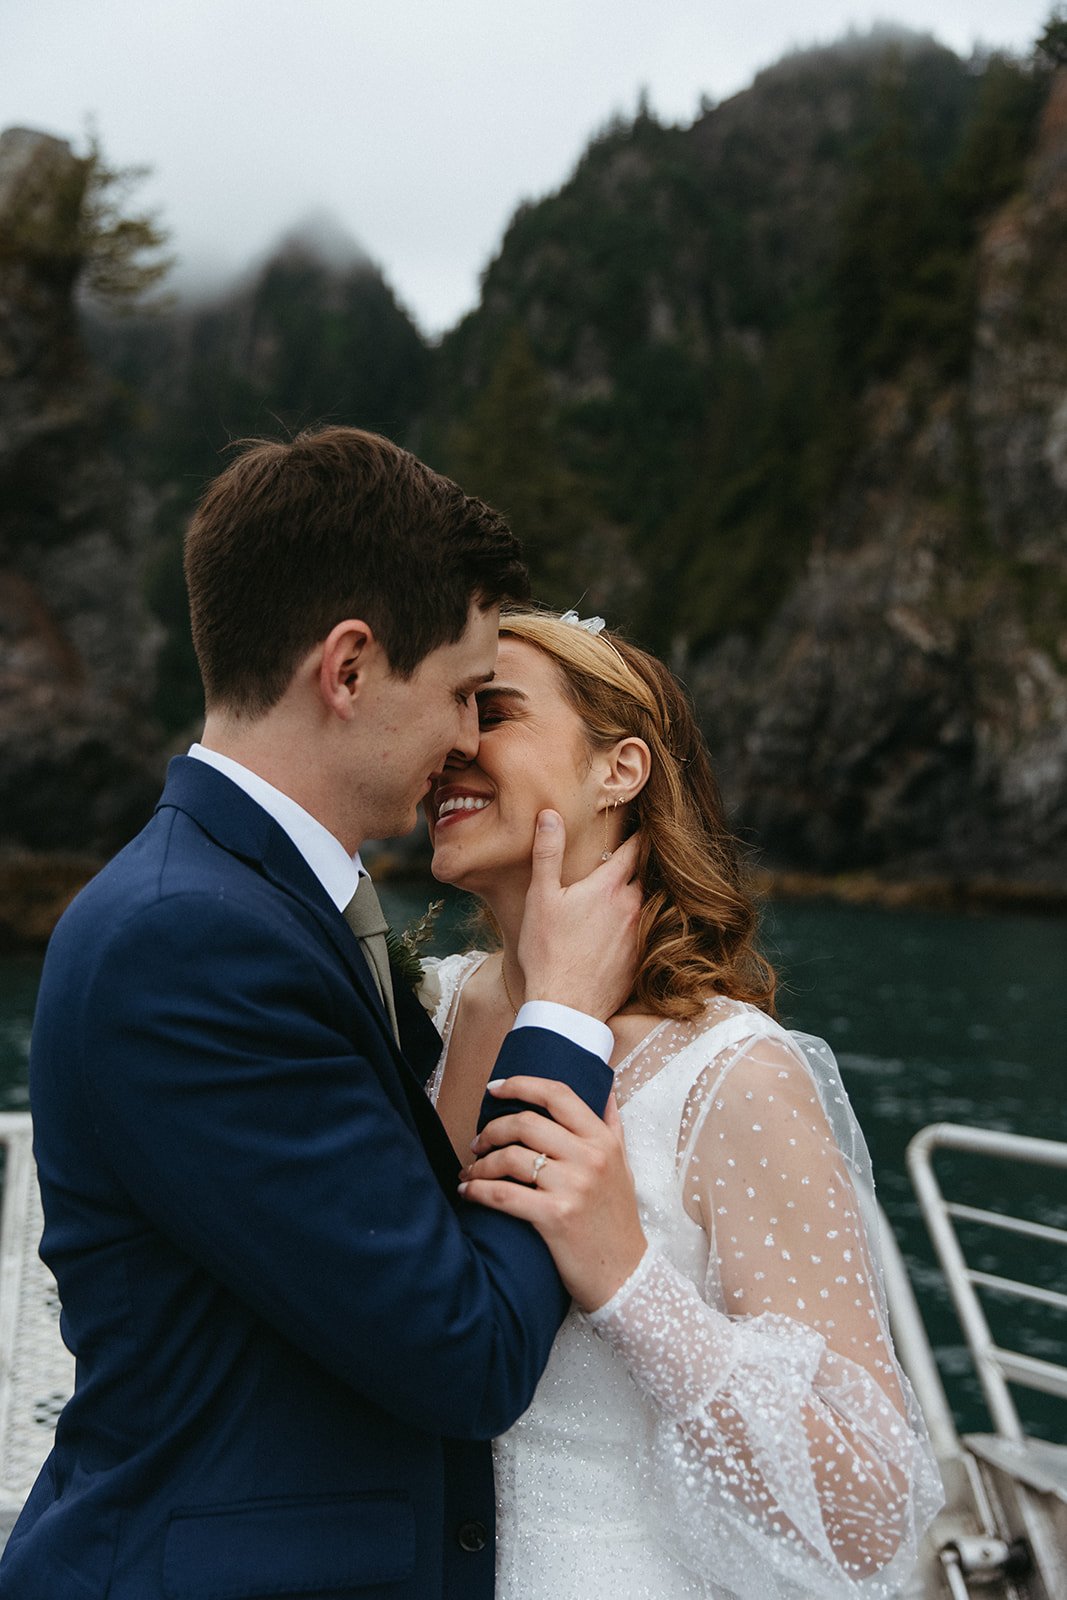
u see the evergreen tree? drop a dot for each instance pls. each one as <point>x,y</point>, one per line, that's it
<point>1052,45</point>
<point>888,227</point>
<point>75,214</point>
<point>120,250</point>
<point>506,451</point>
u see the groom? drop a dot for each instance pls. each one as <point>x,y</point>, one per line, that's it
<point>293,1340</point>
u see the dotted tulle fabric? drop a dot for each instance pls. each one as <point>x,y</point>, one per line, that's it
<point>733,1422</point>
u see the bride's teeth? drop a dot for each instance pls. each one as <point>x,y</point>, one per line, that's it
<point>462,803</point>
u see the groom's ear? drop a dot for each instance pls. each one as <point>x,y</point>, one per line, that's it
<point>348,652</point>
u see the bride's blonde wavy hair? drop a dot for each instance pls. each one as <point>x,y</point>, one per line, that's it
<point>699,923</point>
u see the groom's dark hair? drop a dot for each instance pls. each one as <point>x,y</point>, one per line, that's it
<point>295,536</point>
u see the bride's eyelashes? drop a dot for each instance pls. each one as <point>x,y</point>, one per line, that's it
<point>488,717</point>
<point>498,705</point>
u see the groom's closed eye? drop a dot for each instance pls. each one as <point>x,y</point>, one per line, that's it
<point>464,690</point>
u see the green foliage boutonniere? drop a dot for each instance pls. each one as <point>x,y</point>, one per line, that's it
<point>404,947</point>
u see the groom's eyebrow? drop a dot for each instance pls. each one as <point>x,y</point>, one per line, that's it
<point>470,685</point>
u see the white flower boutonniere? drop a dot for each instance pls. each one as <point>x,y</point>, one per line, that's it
<point>404,954</point>
<point>428,992</point>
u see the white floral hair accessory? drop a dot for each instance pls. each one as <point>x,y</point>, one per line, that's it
<point>590,624</point>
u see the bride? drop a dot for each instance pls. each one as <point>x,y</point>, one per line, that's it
<point>722,1414</point>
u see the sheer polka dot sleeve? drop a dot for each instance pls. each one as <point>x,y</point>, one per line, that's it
<point>789,1446</point>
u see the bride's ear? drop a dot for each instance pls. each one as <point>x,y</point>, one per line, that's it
<point>629,765</point>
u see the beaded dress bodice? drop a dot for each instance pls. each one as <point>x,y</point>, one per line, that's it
<point>733,1422</point>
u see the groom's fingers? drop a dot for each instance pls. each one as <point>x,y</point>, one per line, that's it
<point>550,841</point>
<point>578,944</point>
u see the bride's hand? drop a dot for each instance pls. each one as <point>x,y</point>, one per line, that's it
<point>567,1176</point>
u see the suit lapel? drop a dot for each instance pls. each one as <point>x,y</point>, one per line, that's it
<point>241,827</point>
<point>419,1039</point>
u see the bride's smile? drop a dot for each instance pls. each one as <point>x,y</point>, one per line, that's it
<point>532,754</point>
<point>459,805</point>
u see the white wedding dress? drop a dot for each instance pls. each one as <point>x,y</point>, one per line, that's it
<point>733,1421</point>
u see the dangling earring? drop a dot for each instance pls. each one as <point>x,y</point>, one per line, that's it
<point>606,854</point>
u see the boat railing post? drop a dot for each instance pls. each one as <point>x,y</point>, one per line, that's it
<point>990,1361</point>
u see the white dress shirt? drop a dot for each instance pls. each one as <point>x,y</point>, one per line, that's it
<point>339,872</point>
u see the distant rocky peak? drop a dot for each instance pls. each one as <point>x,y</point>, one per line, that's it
<point>320,237</point>
<point>39,178</point>
<point>77,643</point>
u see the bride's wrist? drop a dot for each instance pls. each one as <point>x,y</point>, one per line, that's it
<point>616,1285</point>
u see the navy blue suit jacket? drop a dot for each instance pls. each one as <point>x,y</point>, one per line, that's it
<point>292,1338</point>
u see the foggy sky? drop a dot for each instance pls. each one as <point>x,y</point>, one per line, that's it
<point>419,124</point>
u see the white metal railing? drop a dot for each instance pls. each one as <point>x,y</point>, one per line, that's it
<point>995,1365</point>
<point>36,1369</point>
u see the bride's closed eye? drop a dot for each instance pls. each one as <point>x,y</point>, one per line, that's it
<point>498,705</point>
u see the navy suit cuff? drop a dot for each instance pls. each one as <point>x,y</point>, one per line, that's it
<point>542,1053</point>
<point>577,1026</point>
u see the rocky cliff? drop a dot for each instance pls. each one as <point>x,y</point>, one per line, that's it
<point>79,759</point>
<point>906,708</point>
<point>810,355</point>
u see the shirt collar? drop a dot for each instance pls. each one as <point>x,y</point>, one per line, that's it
<point>336,870</point>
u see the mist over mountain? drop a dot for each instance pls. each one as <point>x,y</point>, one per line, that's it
<point>782,392</point>
<point>319,236</point>
<point>311,334</point>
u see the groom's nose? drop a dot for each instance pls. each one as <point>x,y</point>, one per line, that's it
<point>466,746</point>
<point>454,762</point>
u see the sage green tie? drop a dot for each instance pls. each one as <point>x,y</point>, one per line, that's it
<point>364,916</point>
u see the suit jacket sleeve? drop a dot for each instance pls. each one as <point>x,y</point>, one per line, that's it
<point>232,1098</point>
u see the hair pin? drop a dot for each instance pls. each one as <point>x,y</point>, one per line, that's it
<point>590,624</point>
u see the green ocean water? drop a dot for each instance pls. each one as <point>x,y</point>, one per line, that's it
<point>933,1018</point>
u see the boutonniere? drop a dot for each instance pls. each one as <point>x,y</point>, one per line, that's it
<point>404,947</point>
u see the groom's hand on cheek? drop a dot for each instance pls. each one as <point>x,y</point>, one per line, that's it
<point>578,945</point>
<point>577,948</point>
